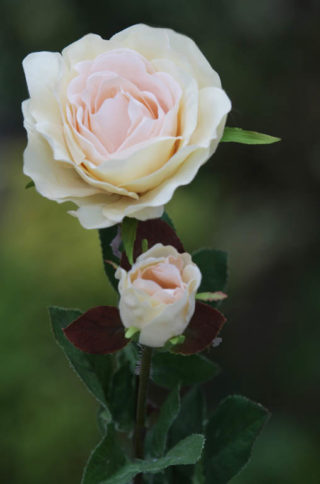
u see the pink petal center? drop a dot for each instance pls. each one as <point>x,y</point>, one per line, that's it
<point>117,101</point>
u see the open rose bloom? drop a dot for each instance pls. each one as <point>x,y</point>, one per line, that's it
<point>157,295</point>
<point>117,125</point>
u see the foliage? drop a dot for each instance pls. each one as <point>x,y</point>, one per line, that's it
<point>179,433</point>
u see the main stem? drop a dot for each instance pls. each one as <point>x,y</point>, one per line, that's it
<point>141,405</point>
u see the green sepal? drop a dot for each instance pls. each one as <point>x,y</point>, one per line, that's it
<point>30,184</point>
<point>238,135</point>
<point>211,296</point>
<point>106,236</point>
<point>177,340</point>
<point>128,235</point>
<point>130,332</point>
<point>144,245</point>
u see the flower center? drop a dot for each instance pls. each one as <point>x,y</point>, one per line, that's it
<point>118,101</point>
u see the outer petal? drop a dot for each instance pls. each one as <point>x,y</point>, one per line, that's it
<point>42,71</point>
<point>157,251</point>
<point>171,322</point>
<point>86,48</point>
<point>155,43</point>
<point>214,106</point>
<point>96,212</point>
<point>54,180</point>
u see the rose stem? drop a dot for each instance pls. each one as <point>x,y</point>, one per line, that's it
<point>142,404</point>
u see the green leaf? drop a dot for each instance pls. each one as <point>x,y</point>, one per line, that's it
<point>30,184</point>
<point>129,354</point>
<point>186,452</point>
<point>198,473</point>
<point>168,369</point>
<point>128,235</point>
<point>103,420</point>
<point>94,370</point>
<point>213,267</point>
<point>231,433</point>
<point>238,135</point>
<point>156,438</point>
<point>106,236</point>
<point>122,397</point>
<point>104,460</point>
<point>191,417</point>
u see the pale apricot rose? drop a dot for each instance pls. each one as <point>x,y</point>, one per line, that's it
<point>157,296</point>
<point>115,126</point>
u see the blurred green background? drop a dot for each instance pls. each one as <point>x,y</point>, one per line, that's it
<point>259,203</point>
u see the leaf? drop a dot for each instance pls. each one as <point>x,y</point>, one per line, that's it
<point>186,452</point>
<point>213,267</point>
<point>94,370</point>
<point>238,135</point>
<point>231,432</point>
<point>191,417</point>
<point>154,231</point>
<point>98,331</point>
<point>156,438</point>
<point>30,184</point>
<point>198,473</point>
<point>102,420</point>
<point>122,397</point>
<point>203,328</point>
<point>168,369</point>
<point>106,237</point>
<point>129,354</point>
<point>128,235</point>
<point>106,458</point>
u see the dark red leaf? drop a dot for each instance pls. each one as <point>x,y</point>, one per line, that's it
<point>98,331</point>
<point>155,231</point>
<point>202,329</point>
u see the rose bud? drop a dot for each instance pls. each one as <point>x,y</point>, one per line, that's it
<point>157,295</point>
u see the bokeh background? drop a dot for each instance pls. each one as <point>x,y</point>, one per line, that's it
<point>258,203</point>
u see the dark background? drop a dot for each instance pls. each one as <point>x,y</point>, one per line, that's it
<point>258,203</point>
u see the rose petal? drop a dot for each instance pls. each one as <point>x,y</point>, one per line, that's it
<point>54,180</point>
<point>168,44</point>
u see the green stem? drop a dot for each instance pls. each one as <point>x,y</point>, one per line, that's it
<point>141,406</point>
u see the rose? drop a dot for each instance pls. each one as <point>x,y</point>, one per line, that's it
<point>157,295</point>
<point>117,125</point>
